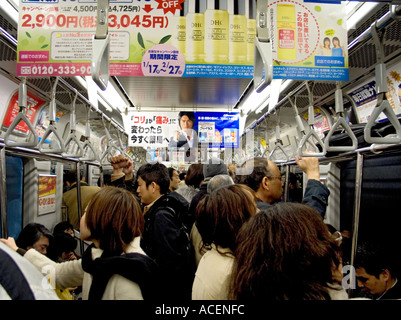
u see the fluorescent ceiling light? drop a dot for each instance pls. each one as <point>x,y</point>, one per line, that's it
<point>15,3</point>
<point>105,103</point>
<point>82,81</point>
<point>113,97</point>
<point>262,106</point>
<point>11,10</point>
<point>254,100</point>
<point>284,85</point>
<point>351,7</point>
<point>360,14</point>
<point>109,96</point>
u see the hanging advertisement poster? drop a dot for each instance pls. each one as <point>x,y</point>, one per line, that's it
<point>394,88</point>
<point>47,193</point>
<point>365,100</point>
<point>182,132</point>
<point>309,40</point>
<point>33,105</point>
<point>365,96</point>
<point>321,121</point>
<point>145,129</point>
<point>172,38</point>
<point>43,121</point>
<point>218,129</point>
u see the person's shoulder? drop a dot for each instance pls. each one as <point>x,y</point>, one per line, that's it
<point>262,205</point>
<point>178,197</point>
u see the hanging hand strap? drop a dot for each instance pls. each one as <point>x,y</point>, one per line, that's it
<point>72,138</point>
<point>109,147</point>
<point>312,132</point>
<point>21,117</point>
<point>263,58</point>
<point>278,145</point>
<point>52,127</point>
<point>101,46</point>
<point>382,103</point>
<point>339,105</point>
<point>88,145</point>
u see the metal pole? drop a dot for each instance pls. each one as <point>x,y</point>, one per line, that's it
<point>79,208</point>
<point>101,176</point>
<point>357,205</point>
<point>287,176</point>
<point>3,194</point>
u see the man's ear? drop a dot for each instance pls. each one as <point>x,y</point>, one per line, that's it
<point>386,274</point>
<point>155,187</point>
<point>265,183</point>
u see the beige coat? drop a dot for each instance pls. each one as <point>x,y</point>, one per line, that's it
<point>70,200</point>
<point>70,274</point>
<point>213,275</point>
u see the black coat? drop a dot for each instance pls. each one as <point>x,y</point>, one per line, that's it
<point>166,241</point>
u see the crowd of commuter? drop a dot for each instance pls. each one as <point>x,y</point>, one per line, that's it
<point>217,232</point>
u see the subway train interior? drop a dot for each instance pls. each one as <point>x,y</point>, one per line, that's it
<point>287,97</point>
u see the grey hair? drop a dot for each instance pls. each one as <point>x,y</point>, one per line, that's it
<point>221,180</point>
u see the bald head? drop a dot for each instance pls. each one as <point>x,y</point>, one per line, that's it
<point>264,177</point>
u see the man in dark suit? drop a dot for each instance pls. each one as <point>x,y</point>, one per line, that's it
<point>186,139</point>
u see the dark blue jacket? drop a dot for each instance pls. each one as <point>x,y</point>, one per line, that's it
<point>316,196</point>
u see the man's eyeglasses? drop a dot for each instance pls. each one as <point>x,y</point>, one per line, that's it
<point>280,177</point>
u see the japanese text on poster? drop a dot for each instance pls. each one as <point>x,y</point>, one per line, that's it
<point>216,129</point>
<point>55,39</point>
<point>309,40</point>
<point>365,96</point>
<point>47,193</point>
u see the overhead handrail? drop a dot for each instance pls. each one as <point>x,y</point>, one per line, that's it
<point>339,106</point>
<point>263,57</point>
<point>109,146</point>
<point>312,132</point>
<point>52,127</point>
<point>383,104</point>
<point>72,137</point>
<point>87,144</point>
<point>21,117</point>
<point>278,145</point>
<point>101,46</point>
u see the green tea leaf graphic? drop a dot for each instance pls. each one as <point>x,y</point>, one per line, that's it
<point>165,39</point>
<point>27,34</point>
<point>44,46</point>
<point>140,40</point>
